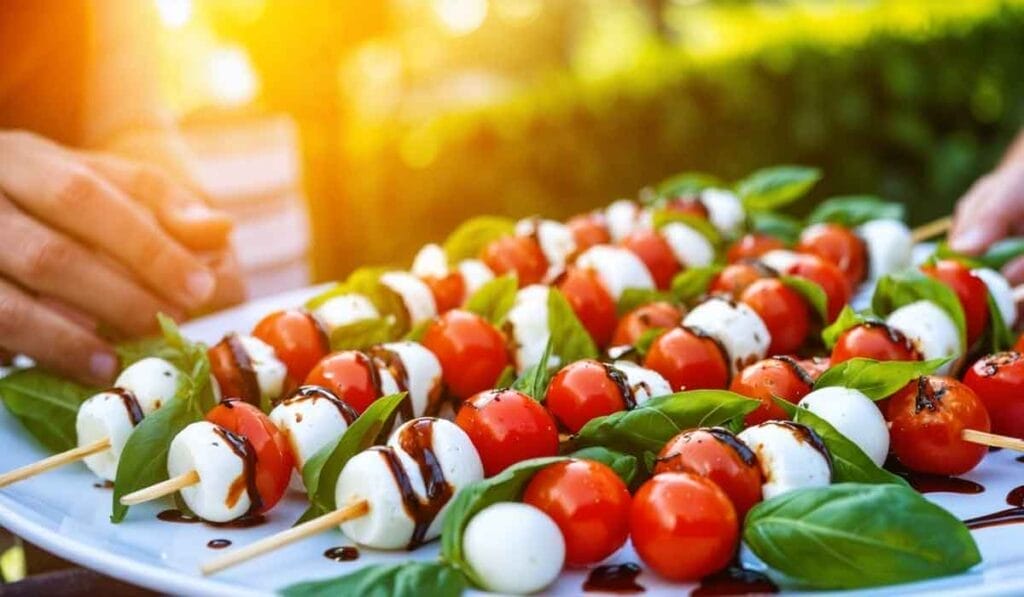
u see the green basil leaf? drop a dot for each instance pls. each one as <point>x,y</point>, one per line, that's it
<point>363,334</point>
<point>570,340</point>
<point>191,358</point>
<point>999,335</point>
<point>534,381</point>
<point>46,405</point>
<point>506,486</point>
<point>781,226</point>
<point>943,251</point>
<point>365,281</point>
<point>876,379</point>
<point>416,334</point>
<point>811,292</point>
<point>693,282</point>
<point>771,188</point>
<point>686,183</point>
<point>663,217</point>
<point>633,298</point>
<point>410,579</point>
<point>1002,252</point>
<point>896,290</point>
<point>626,466</point>
<point>643,343</point>
<point>470,238</point>
<point>847,318</point>
<point>493,300</point>
<point>854,535</point>
<point>853,210</point>
<point>507,377</point>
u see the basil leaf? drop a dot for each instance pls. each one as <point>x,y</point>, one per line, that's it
<point>626,466</point>
<point>46,405</point>
<point>783,227</point>
<point>693,282</point>
<point>534,381</point>
<point>410,579</point>
<point>663,217</point>
<point>811,292</point>
<point>1002,252</point>
<point>771,188</point>
<point>470,238</point>
<point>569,339</point>
<point>643,343</point>
<point>896,290</point>
<point>648,427</point>
<point>633,298</point>
<point>854,210</point>
<point>854,535</point>
<point>365,281</point>
<point>999,335</point>
<point>363,334</point>
<point>876,379</point>
<point>416,334</point>
<point>506,486</point>
<point>493,300</point>
<point>686,183</point>
<point>847,318</point>
<point>507,377</point>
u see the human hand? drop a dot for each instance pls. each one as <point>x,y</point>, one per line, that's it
<point>992,208</point>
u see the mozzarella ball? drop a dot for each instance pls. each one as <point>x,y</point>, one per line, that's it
<point>270,371</point>
<point>555,240</point>
<point>889,245</point>
<point>430,262</point>
<point>153,381</point>
<point>736,327</point>
<point>528,323</point>
<point>790,455</point>
<point>1001,291</point>
<point>689,246</point>
<point>930,329</point>
<point>617,268</point>
<point>724,210</point>
<point>206,448</point>
<point>475,274</point>
<point>311,420</point>
<point>645,383</point>
<point>779,260</point>
<point>415,294</point>
<point>855,416</point>
<point>108,415</point>
<point>514,548</point>
<point>344,310</point>
<point>422,372</point>
<point>621,217</point>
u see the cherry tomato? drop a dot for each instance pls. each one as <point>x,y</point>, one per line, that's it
<point>736,277</point>
<point>689,360</point>
<point>351,375</point>
<point>752,246</point>
<point>814,366</point>
<point>584,390</point>
<point>520,255</point>
<point>683,526</point>
<point>783,310</point>
<point>656,254</point>
<point>783,377</point>
<point>591,302</point>
<point>297,339</point>
<point>1019,345</point>
<point>719,455</point>
<point>652,316</point>
<point>970,289</point>
<point>998,380</point>
<point>837,245</point>
<point>506,427</point>
<point>837,290</point>
<point>449,291</point>
<point>472,352</point>
<point>688,204</point>
<point>928,417</point>
<point>233,377</point>
<point>588,502</point>
<point>588,230</point>
<point>272,452</point>
<point>873,341</point>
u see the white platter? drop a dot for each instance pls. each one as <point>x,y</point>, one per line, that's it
<point>64,513</point>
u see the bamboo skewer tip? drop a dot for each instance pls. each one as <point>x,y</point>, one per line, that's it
<point>164,488</point>
<point>51,462</point>
<point>932,229</point>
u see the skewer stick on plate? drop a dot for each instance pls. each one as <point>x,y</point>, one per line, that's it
<point>306,529</point>
<point>993,440</point>
<point>164,488</point>
<point>69,456</point>
<point>932,229</point>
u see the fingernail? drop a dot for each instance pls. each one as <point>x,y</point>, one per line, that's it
<point>103,365</point>
<point>200,284</point>
<point>968,241</point>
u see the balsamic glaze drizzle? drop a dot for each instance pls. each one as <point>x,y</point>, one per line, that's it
<point>342,553</point>
<point>246,371</point>
<point>131,404</point>
<point>247,480</point>
<point>614,578</point>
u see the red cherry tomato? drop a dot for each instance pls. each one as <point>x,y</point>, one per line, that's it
<point>472,352</point>
<point>970,289</point>
<point>584,390</point>
<point>652,316</point>
<point>656,254</point>
<point>783,377</point>
<point>815,366</point>
<point>297,339</point>
<point>588,230</point>
<point>688,360</point>
<point>683,526</point>
<point>351,375</point>
<point>507,427</point>
<point>783,310</point>
<point>998,380</point>
<point>837,290</point>
<point>752,246</point>
<point>928,417</point>
<point>873,341</point>
<point>736,277</point>
<point>588,502</point>
<point>1019,345</point>
<point>719,455</point>
<point>688,204</point>
<point>837,245</point>
<point>272,453</point>
<point>591,302</point>
<point>449,291</point>
<point>233,377</point>
<point>519,255</point>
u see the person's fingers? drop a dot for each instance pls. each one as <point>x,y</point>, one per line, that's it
<point>49,263</point>
<point>973,229</point>
<point>1014,271</point>
<point>72,314</point>
<point>230,284</point>
<point>48,183</point>
<point>55,343</point>
<point>178,209</point>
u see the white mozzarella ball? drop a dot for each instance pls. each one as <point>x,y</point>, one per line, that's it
<point>780,260</point>
<point>310,421</point>
<point>690,247</point>
<point>645,383</point>
<point>855,416</point>
<point>415,294</point>
<point>725,210</point>
<point>203,447</point>
<point>475,274</point>
<point>617,268</point>
<point>737,327</point>
<point>528,321</point>
<point>624,216</point>
<point>108,415</point>
<point>368,476</point>
<point>1001,291</point>
<point>270,371</point>
<point>930,329</point>
<point>430,262</point>
<point>153,381</point>
<point>555,239</point>
<point>889,244</point>
<point>422,373</point>
<point>514,548</point>
<point>790,455</point>
<point>344,310</point>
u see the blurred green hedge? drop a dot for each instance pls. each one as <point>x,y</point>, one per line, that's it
<point>911,115</point>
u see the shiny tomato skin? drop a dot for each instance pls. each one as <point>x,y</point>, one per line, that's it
<point>652,316</point>
<point>272,451</point>
<point>688,204</point>
<point>998,380</point>
<point>783,310</point>
<point>1019,345</point>
<point>688,360</point>
<point>719,455</point>
<point>752,246</point>
<point>970,290</point>
<point>591,302</point>
<point>297,339</point>
<point>588,230</point>
<point>506,427</point>
<point>449,291</point>
<point>588,502</point>
<point>582,391</point>
<point>230,378</point>
<point>683,526</point>
<point>472,352</point>
<point>837,245</point>
<point>656,254</point>
<point>519,255</point>
<point>927,419</point>
<point>873,341</point>
<point>815,366</point>
<point>351,375</point>
<point>837,289</point>
<point>736,277</point>
<point>783,377</point>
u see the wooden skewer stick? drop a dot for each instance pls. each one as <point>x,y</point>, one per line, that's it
<point>54,461</point>
<point>932,229</point>
<point>306,529</point>
<point>160,489</point>
<point>993,440</point>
